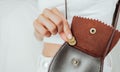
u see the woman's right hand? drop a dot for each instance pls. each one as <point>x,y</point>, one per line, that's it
<point>51,22</point>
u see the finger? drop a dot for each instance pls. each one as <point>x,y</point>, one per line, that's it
<point>63,36</point>
<point>66,29</point>
<point>38,35</point>
<point>41,29</point>
<point>57,12</point>
<point>54,18</point>
<point>48,24</point>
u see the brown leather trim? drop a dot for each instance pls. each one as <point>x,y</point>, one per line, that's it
<point>92,44</point>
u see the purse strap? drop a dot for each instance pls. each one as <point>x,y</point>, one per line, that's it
<point>66,13</point>
<point>114,24</point>
<point>116,14</point>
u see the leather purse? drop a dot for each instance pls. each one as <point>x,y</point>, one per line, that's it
<point>86,51</point>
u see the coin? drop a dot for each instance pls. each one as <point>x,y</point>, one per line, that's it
<point>72,41</point>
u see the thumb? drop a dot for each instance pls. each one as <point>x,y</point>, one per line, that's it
<point>66,34</point>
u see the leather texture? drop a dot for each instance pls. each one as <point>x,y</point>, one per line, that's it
<point>62,62</point>
<point>92,44</point>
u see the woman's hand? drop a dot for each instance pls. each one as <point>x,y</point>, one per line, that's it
<point>51,22</point>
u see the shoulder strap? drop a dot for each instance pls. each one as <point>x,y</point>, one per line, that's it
<point>116,14</point>
<point>114,23</point>
<point>66,9</point>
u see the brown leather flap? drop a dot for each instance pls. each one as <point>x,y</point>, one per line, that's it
<point>92,42</point>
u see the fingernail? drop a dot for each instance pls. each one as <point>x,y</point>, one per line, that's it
<point>69,36</point>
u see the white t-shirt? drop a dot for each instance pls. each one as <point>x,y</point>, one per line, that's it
<point>97,9</point>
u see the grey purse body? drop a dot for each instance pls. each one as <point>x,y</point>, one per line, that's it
<point>86,51</point>
<point>69,59</point>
